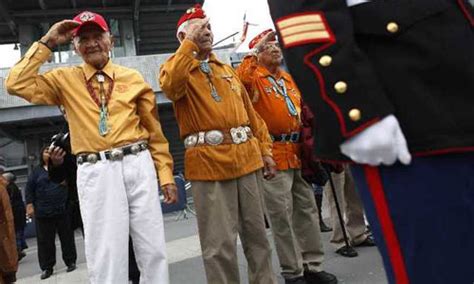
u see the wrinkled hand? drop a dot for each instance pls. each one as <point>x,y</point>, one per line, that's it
<point>60,33</point>
<point>259,46</point>
<point>269,167</point>
<point>56,154</point>
<point>30,210</point>
<point>170,191</point>
<point>381,143</point>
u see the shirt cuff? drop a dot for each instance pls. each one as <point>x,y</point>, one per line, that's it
<point>40,51</point>
<point>166,177</point>
<point>266,151</point>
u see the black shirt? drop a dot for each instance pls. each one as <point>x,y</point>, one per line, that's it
<point>49,198</point>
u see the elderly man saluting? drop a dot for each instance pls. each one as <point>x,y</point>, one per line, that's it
<point>227,145</point>
<point>288,197</point>
<point>119,144</point>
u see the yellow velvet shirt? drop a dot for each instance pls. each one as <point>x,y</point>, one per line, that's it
<point>132,105</point>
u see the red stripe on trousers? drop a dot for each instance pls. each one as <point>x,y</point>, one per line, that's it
<point>388,231</point>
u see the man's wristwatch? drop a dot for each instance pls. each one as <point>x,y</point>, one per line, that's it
<point>45,43</point>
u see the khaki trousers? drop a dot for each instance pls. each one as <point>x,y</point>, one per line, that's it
<point>291,207</point>
<point>224,209</point>
<point>351,207</point>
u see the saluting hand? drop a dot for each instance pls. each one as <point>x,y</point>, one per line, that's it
<point>170,192</point>
<point>196,30</point>
<point>60,33</point>
<point>259,46</point>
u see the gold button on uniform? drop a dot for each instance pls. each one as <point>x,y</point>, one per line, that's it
<point>340,87</point>
<point>355,114</point>
<point>392,27</point>
<point>325,60</point>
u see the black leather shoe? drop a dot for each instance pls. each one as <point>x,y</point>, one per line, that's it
<point>321,277</point>
<point>71,267</point>
<point>347,251</point>
<point>21,255</point>
<point>368,242</point>
<point>46,273</point>
<point>297,280</point>
<point>323,228</point>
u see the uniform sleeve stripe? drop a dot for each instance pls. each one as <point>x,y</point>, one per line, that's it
<point>302,27</point>
<point>314,18</point>
<point>306,36</point>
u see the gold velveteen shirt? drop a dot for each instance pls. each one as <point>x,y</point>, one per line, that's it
<point>132,106</point>
<point>271,106</point>
<point>188,87</point>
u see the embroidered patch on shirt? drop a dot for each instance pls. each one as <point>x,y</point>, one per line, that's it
<point>304,28</point>
<point>121,88</point>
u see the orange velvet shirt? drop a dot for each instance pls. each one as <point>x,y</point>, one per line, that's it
<point>272,108</point>
<point>188,87</point>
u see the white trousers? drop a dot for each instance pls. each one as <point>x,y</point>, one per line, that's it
<point>118,199</point>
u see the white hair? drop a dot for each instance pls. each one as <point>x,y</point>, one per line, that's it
<point>182,28</point>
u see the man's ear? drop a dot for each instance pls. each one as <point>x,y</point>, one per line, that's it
<point>112,41</point>
<point>181,36</point>
<point>74,46</point>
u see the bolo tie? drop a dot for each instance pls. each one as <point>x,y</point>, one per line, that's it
<point>206,69</point>
<point>279,87</point>
<point>102,100</point>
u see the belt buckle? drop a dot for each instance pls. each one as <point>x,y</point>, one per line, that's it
<point>92,158</point>
<point>295,136</point>
<point>134,149</point>
<point>116,155</point>
<point>190,141</point>
<point>239,135</point>
<point>214,137</point>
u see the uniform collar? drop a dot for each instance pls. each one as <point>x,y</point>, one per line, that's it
<point>90,70</point>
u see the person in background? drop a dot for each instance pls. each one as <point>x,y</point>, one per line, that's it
<point>19,213</point>
<point>8,251</point>
<point>288,197</point>
<point>227,147</point>
<point>353,211</point>
<point>47,201</point>
<point>312,169</point>
<point>318,196</point>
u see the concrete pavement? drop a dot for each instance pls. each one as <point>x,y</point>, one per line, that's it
<point>186,265</point>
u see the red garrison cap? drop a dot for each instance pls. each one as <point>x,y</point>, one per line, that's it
<point>86,18</point>
<point>259,37</point>
<point>195,12</point>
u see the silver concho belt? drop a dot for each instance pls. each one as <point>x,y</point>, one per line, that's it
<point>115,154</point>
<point>236,135</point>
